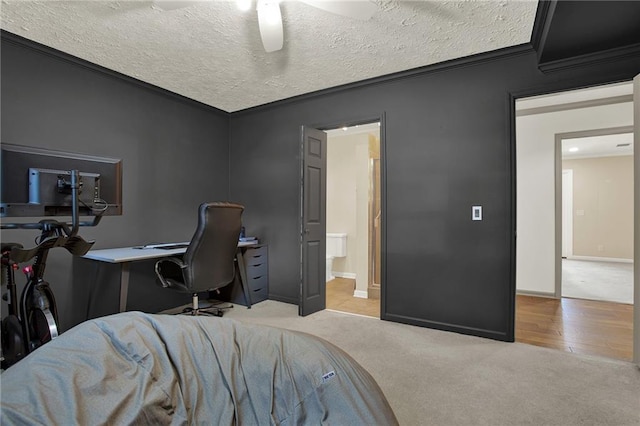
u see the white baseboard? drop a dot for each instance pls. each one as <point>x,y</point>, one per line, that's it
<point>600,259</point>
<point>349,275</point>
<point>536,293</point>
<point>363,294</point>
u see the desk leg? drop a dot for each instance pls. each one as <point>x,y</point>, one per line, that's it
<point>243,278</point>
<point>124,285</point>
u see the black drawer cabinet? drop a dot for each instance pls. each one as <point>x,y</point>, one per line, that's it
<point>256,260</point>
<point>256,265</point>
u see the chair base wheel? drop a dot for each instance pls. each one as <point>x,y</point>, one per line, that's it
<point>216,311</point>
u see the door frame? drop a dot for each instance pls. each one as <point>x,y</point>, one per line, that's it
<point>511,98</point>
<point>350,122</point>
<point>373,240</point>
<point>636,224</point>
<point>559,137</point>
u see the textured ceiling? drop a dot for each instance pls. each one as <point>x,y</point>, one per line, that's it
<point>211,51</point>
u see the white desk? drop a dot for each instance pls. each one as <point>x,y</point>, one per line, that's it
<point>125,255</point>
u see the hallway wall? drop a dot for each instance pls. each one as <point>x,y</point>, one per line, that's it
<point>603,206</point>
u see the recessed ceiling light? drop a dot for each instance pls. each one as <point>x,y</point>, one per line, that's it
<point>243,5</point>
<point>345,128</point>
<point>574,149</point>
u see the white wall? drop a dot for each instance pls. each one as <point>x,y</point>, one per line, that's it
<point>602,206</point>
<point>535,165</point>
<point>342,178</point>
<point>362,218</point>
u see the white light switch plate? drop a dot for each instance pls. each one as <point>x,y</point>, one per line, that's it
<point>476,213</point>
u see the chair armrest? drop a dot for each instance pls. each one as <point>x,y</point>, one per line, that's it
<point>169,272</point>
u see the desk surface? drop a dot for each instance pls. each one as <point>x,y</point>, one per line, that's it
<point>131,254</point>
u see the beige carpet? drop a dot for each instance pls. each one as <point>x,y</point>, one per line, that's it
<point>432,377</point>
<point>587,279</point>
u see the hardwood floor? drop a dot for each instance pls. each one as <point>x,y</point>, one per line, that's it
<point>573,325</point>
<point>340,298</point>
<point>576,325</point>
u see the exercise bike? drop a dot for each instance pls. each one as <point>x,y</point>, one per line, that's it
<point>34,321</point>
<point>12,342</point>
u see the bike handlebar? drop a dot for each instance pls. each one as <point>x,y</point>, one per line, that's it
<point>47,224</point>
<point>69,228</point>
<point>56,233</point>
<point>21,226</point>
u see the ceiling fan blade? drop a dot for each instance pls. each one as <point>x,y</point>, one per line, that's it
<point>356,9</point>
<point>270,23</point>
<point>173,4</point>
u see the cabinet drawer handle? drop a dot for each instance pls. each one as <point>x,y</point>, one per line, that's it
<point>256,256</point>
<point>257,278</point>
<point>256,265</point>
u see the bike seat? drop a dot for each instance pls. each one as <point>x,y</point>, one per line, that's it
<point>19,255</point>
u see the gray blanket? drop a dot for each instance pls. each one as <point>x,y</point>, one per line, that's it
<point>135,368</point>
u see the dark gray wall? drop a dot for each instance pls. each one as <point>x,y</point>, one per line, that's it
<point>447,131</point>
<point>174,152</point>
<point>449,146</point>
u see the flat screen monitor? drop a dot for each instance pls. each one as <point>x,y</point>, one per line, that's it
<point>37,182</point>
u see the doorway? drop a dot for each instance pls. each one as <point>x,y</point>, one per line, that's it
<point>543,316</point>
<point>354,219</point>
<point>597,235</point>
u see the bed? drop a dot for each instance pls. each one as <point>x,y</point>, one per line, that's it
<point>137,368</point>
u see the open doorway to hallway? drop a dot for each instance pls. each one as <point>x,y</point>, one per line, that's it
<point>597,234</point>
<point>549,312</point>
<point>354,219</point>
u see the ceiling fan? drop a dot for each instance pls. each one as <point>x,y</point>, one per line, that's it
<point>270,17</point>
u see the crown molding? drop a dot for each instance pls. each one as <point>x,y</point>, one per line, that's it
<point>541,25</point>
<point>15,39</point>
<point>467,61</point>
<point>619,53</point>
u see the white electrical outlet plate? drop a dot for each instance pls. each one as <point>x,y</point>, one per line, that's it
<point>476,213</point>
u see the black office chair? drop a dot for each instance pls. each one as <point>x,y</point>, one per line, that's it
<point>209,262</point>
